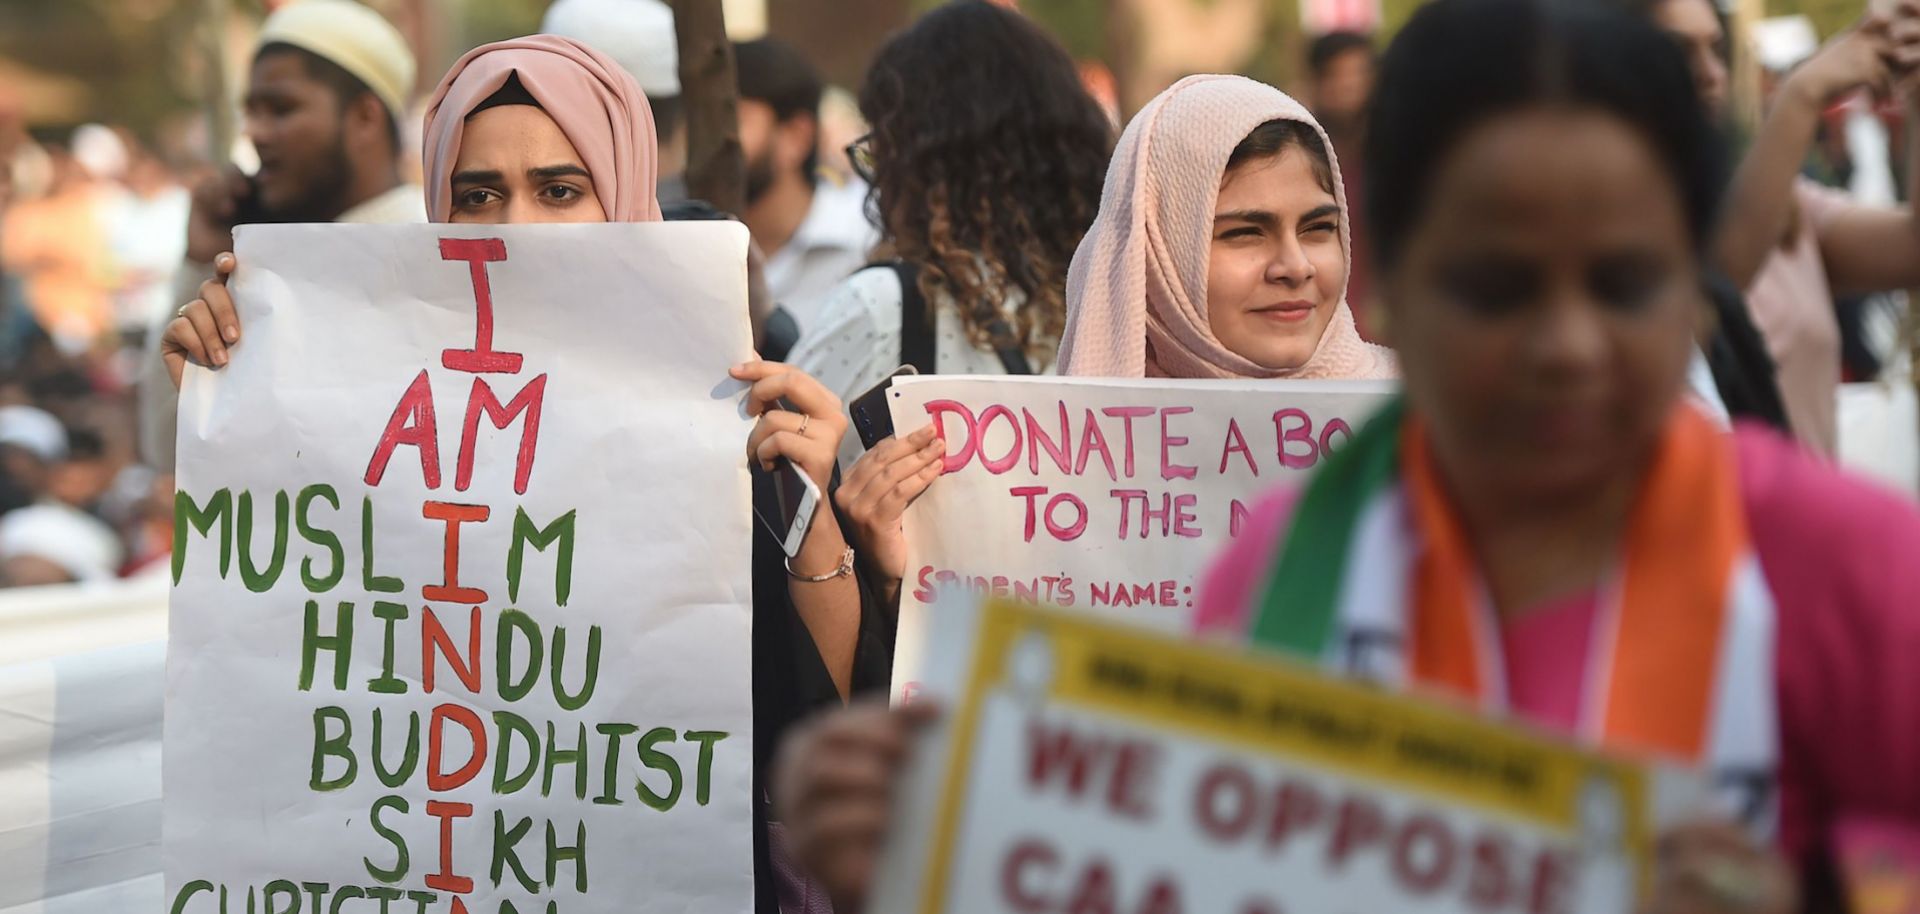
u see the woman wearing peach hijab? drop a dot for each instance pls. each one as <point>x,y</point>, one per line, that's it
<point>1220,251</point>
<point>545,129</point>
<point>1221,247</point>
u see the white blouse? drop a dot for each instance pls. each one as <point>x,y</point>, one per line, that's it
<point>855,342</point>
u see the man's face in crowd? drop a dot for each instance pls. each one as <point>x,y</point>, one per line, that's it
<point>772,147</point>
<point>296,125</point>
<point>1342,90</point>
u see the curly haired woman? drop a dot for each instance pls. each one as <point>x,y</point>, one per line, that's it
<point>986,160</point>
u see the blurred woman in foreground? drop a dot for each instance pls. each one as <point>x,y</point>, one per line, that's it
<point>1544,526</point>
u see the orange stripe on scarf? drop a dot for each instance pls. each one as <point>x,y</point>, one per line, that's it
<point>1684,536</point>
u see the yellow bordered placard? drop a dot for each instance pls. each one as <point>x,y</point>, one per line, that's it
<point>1266,705</point>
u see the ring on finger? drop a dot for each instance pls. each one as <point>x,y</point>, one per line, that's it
<point>183,309</point>
<point>804,420</point>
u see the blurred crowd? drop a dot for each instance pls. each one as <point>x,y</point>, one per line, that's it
<point>96,248</point>
<point>92,234</point>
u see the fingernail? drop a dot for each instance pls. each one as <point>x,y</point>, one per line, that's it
<point>232,333</point>
<point>225,260</point>
<point>220,358</point>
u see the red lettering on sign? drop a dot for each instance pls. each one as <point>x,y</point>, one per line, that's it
<point>438,779</point>
<point>481,399</point>
<point>1224,803</point>
<point>449,590</point>
<point>1058,754</point>
<point>433,635</point>
<point>481,359</point>
<point>411,424</point>
<point>1423,854</point>
<point>1552,880</point>
<point>1357,824</point>
<point>1025,857</point>
<point>445,880</point>
<point>1298,807</point>
<point>1490,875</point>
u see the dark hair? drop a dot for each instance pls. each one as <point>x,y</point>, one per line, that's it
<point>1279,135</point>
<point>1645,9</point>
<point>776,73</point>
<point>1459,63</point>
<point>1329,47</point>
<point>989,156</point>
<point>511,92</point>
<point>346,87</point>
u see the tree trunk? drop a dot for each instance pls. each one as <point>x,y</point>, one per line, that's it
<point>211,31</point>
<point>709,93</point>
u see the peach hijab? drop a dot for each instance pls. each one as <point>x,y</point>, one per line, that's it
<point>1137,290</point>
<point>596,103</point>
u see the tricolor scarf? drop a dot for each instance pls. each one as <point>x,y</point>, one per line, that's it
<point>1376,578</point>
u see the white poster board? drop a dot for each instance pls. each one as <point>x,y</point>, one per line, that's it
<point>1097,494</point>
<point>82,669</point>
<point>1082,765</point>
<point>462,614</point>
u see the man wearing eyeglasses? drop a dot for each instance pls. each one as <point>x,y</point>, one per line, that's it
<point>814,230</point>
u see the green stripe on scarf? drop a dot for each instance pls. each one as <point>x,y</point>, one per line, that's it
<point>1298,612</point>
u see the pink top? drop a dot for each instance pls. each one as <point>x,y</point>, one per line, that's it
<point>1546,652</point>
<point>1792,303</point>
<point>1842,558</point>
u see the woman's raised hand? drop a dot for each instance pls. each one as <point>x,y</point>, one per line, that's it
<point>205,328</point>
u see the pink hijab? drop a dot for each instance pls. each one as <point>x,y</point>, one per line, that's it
<point>1137,290</point>
<point>596,103</point>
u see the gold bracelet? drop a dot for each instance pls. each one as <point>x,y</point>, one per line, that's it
<point>845,569</point>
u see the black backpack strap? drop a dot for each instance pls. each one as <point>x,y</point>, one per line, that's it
<point>1012,357</point>
<point>916,327</point>
<point>916,321</point>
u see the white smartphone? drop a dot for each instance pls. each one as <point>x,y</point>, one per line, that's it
<point>795,499</point>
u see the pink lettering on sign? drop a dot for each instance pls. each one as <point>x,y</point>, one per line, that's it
<point>998,465</point>
<point>1075,513</point>
<point>1237,444</point>
<point>1127,414</point>
<point>1092,440</point>
<point>1056,448</point>
<point>938,411</point>
<point>1167,514</point>
<point>1299,449</point>
<point>1168,441</point>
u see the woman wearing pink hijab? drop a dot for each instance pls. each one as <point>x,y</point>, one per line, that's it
<point>1221,246</point>
<point>546,129</point>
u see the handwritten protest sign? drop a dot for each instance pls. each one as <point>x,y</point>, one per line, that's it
<point>1105,495</point>
<point>462,611</point>
<point>1086,766</point>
